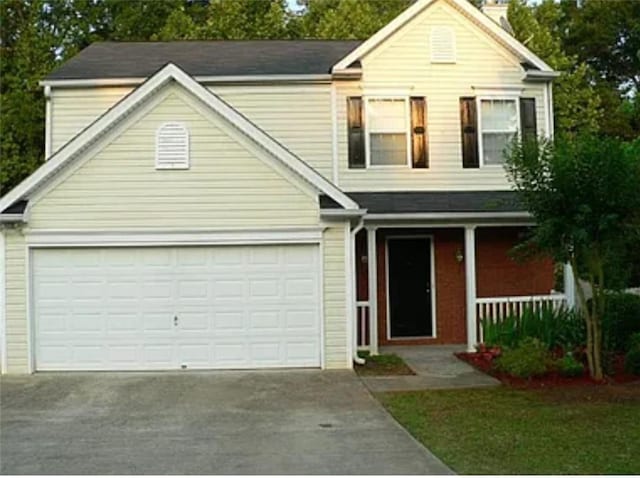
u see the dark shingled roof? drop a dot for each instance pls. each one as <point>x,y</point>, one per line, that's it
<point>205,58</point>
<point>399,202</point>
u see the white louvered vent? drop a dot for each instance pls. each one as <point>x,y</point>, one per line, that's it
<point>172,146</point>
<point>443,45</point>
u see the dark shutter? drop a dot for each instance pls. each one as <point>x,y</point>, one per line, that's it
<point>528,119</point>
<point>419,137</point>
<point>356,132</point>
<point>469,128</point>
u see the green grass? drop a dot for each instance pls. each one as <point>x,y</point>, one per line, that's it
<point>383,364</point>
<point>579,430</point>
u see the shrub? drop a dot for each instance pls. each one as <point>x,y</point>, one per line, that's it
<point>634,341</point>
<point>568,366</point>
<point>621,320</point>
<point>632,362</point>
<point>632,359</point>
<point>529,359</point>
<point>556,327</point>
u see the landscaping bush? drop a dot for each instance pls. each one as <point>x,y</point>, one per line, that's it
<point>621,320</point>
<point>632,359</point>
<point>568,366</point>
<point>556,327</point>
<point>529,359</point>
<point>632,362</point>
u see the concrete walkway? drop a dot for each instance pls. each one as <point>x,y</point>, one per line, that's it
<point>271,422</point>
<point>436,368</point>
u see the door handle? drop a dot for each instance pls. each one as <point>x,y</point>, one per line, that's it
<point>175,320</point>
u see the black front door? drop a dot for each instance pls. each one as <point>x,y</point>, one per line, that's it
<point>410,287</point>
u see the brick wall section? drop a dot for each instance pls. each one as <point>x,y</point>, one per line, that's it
<point>499,275</point>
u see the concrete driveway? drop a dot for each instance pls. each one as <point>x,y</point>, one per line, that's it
<point>281,422</point>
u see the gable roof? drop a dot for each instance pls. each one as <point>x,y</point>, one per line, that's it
<point>472,12</point>
<point>110,60</point>
<point>117,113</point>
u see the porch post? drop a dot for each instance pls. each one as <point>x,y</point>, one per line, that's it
<point>470,276</point>
<point>569,286</point>
<point>372,264</point>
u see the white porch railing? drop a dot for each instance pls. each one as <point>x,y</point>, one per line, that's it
<point>362,310</point>
<point>497,308</point>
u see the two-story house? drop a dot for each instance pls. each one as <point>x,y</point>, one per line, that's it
<point>248,204</point>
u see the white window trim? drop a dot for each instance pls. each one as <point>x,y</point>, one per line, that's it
<point>367,132</point>
<point>504,97</point>
<point>187,163</point>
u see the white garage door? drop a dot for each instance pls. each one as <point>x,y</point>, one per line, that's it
<point>169,308</point>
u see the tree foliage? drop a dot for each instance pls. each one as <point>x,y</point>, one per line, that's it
<point>576,104</point>
<point>583,194</point>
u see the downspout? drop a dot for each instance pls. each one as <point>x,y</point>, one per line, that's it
<point>352,291</point>
<point>47,128</point>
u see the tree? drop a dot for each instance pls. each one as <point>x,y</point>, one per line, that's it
<point>225,20</point>
<point>27,53</point>
<point>345,19</point>
<point>583,195</point>
<point>577,106</point>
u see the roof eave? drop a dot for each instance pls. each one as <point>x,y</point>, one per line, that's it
<point>206,79</point>
<point>540,76</point>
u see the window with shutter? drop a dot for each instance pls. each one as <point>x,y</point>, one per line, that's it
<point>499,126</point>
<point>172,146</point>
<point>388,126</point>
<point>443,45</point>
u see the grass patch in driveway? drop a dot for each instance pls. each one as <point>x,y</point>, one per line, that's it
<point>581,430</point>
<point>383,364</point>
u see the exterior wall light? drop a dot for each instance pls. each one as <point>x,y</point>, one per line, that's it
<point>459,255</point>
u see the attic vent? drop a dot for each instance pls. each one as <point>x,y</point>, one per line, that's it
<point>172,146</point>
<point>443,45</point>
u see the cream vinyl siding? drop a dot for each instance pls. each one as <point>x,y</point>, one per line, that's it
<point>226,185</point>
<point>73,109</point>
<point>116,187</point>
<point>16,306</point>
<point>298,116</point>
<point>402,65</point>
<point>335,299</point>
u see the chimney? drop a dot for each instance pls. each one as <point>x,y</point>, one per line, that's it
<point>496,10</point>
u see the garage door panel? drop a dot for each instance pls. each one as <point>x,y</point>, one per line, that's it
<point>237,307</point>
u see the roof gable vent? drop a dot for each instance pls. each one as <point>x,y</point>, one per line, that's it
<point>443,45</point>
<point>172,146</point>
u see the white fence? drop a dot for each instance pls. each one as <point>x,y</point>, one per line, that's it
<point>362,310</point>
<point>497,308</point>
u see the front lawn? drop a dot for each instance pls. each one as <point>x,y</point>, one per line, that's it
<point>573,430</point>
<point>383,364</point>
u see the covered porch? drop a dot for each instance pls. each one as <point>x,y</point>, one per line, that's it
<point>422,283</point>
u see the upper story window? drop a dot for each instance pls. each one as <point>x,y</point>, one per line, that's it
<point>443,45</point>
<point>172,146</point>
<point>499,121</point>
<point>388,132</point>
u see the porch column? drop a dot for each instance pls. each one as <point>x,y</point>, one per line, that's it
<point>569,286</point>
<point>470,276</point>
<point>372,264</point>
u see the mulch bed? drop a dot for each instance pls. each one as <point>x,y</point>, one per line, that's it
<point>484,363</point>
